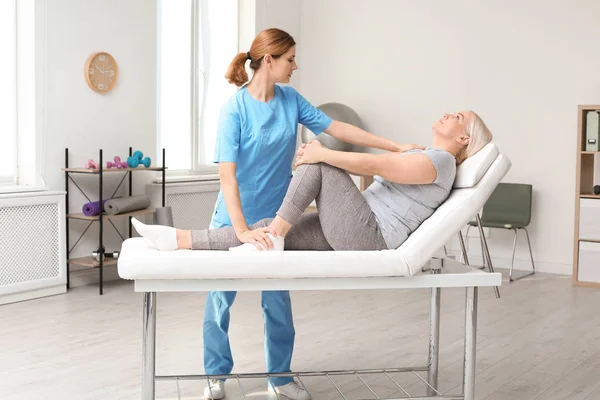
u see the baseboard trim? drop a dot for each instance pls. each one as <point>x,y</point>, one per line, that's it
<point>91,276</point>
<point>33,294</point>
<point>521,265</point>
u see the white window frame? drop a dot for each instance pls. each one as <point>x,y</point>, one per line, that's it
<point>10,179</point>
<point>200,74</point>
<point>29,97</point>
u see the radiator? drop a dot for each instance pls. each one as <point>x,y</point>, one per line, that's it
<point>32,245</point>
<point>192,203</point>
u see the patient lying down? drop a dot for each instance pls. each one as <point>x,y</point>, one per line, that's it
<point>407,189</point>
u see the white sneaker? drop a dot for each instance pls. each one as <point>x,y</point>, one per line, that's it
<point>218,389</point>
<point>292,391</point>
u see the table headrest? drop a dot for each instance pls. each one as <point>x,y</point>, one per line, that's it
<point>470,171</point>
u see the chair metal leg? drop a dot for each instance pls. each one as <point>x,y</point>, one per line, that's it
<point>512,260</point>
<point>530,252</point>
<point>530,255</point>
<point>149,346</point>
<point>487,253</point>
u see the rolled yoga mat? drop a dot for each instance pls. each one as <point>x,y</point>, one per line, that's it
<point>126,204</point>
<point>163,216</point>
<point>92,208</point>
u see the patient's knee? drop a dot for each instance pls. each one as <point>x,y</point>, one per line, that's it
<point>319,169</point>
<point>330,169</point>
<point>307,167</point>
<point>263,223</point>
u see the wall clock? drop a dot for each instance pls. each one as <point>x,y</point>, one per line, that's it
<point>101,72</point>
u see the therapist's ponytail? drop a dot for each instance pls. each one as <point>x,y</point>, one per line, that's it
<point>270,41</point>
<point>236,73</point>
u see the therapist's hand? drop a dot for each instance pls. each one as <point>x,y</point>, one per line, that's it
<point>258,237</point>
<point>310,153</point>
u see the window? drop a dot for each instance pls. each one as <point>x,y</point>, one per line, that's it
<point>8,92</point>
<point>18,93</point>
<point>197,39</point>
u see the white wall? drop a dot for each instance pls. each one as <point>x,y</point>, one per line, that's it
<point>523,66</point>
<point>398,63</point>
<point>85,121</point>
<point>282,14</point>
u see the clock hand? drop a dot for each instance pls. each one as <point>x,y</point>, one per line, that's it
<point>102,72</point>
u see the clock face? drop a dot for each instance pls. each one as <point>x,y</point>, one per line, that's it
<point>101,72</point>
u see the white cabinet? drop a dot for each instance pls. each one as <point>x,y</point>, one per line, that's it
<point>589,262</point>
<point>589,219</point>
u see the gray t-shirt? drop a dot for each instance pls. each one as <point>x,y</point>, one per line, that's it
<point>401,208</point>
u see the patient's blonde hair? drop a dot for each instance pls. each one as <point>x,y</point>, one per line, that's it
<point>480,136</point>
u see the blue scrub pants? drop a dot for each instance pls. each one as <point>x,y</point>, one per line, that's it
<point>279,332</point>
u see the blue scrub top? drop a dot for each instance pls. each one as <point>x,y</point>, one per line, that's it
<point>261,139</point>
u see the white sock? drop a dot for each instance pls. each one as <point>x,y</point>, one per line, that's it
<point>163,237</point>
<point>278,245</point>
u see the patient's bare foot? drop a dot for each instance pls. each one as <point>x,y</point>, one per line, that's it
<point>280,226</point>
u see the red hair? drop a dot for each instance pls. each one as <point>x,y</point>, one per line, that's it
<point>271,41</point>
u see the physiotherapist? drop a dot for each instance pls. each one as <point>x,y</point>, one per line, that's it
<point>255,150</point>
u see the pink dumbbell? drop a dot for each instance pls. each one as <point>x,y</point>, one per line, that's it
<point>91,164</point>
<point>117,163</point>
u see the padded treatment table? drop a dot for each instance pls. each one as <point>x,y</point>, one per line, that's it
<point>411,266</point>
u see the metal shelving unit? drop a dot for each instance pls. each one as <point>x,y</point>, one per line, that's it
<point>128,173</point>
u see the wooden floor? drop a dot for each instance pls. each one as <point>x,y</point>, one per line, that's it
<point>541,340</point>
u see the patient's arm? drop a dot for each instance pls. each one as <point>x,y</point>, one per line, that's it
<point>352,134</point>
<point>414,168</point>
<point>407,168</point>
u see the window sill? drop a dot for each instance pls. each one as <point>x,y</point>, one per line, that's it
<point>187,178</point>
<point>20,192</point>
<point>19,189</point>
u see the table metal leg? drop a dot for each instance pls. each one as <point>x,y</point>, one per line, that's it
<point>434,340</point>
<point>470,343</point>
<point>149,346</point>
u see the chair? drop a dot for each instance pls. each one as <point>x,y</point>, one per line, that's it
<point>509,207</point>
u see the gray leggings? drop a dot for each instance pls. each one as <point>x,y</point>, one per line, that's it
<point>344,220</point>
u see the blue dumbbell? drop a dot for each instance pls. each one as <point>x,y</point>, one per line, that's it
<point>138,158</point>
<point>133,162</point>
<point>146,162</point>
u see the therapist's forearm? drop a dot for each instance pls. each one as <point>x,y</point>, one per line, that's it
<point>231,194</point>
<point>356,163</point>
<point>352,134</point>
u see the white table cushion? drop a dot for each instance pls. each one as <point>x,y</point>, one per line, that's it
<point>139,260</point>
<point>470,171</point>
